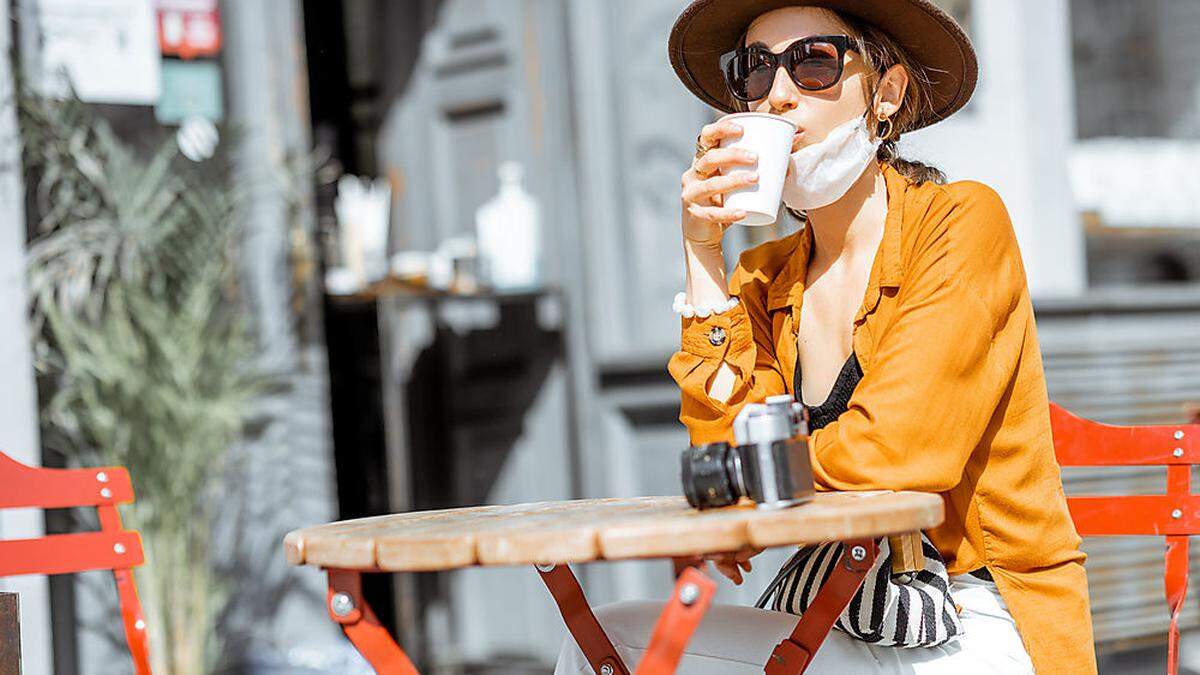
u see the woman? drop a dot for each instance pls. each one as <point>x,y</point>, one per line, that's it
<point>917,332</point>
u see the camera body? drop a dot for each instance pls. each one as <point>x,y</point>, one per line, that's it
<point>768,462</point>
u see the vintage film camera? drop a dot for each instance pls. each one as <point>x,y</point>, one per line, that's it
<point>769,462</point>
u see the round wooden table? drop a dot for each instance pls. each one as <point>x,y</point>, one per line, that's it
<point>550,535</point>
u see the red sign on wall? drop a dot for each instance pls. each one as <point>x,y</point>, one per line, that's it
<point>189,28</point>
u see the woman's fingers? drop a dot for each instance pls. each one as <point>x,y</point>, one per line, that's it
<point>721,158</point>
<point>731,564</point>
<point>715,214</point>
<point>711,134</point>
<point>710,226</point>
<point>729,569</point>
<point>710,187</point>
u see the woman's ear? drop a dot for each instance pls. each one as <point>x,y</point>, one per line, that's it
<point>889,95</point>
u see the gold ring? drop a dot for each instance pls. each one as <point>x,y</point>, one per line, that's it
<point>700,150</point>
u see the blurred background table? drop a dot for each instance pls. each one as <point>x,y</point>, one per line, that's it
<point>445,385</point>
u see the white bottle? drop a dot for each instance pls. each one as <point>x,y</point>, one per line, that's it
<point>508,229</point>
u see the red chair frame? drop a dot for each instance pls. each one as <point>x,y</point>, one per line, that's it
<point>1174,515</point>
<point>111,548</point>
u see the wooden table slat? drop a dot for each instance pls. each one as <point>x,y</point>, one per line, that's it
<point>594,529</point>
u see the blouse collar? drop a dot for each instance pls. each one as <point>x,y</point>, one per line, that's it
<point>886,271</point>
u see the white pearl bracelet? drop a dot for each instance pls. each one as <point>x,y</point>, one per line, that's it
<point>683,308</point>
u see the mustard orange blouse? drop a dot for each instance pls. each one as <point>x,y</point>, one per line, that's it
<point>952,400</point>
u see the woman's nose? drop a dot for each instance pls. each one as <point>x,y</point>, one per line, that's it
<point>783,95</point>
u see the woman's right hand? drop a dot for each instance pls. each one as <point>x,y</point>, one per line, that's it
<point>705,218</point>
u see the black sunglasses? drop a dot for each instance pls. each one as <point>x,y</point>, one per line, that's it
<point>814,63</point>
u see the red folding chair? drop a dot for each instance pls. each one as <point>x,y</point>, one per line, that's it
<point>1174,515</point>
<point>111,548</point>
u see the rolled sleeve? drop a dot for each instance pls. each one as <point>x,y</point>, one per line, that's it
<point>717,336</point>
<point>747,348</point>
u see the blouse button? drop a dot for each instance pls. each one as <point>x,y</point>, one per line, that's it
<point>716,336</point>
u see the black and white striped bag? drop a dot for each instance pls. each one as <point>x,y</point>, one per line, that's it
<point>893,611</point>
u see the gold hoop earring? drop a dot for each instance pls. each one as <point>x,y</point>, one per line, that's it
<point>884,118</point>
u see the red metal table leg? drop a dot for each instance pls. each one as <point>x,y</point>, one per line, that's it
<point>792,655</point>
<point>348,608</point>
<point>580,620</point>
<point>681,615</point>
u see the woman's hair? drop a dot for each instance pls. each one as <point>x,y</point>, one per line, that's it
<point>880,52</point>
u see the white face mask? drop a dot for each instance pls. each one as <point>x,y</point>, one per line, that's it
<point>819,174</point>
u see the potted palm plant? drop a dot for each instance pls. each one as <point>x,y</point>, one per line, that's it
<point>142,346</point>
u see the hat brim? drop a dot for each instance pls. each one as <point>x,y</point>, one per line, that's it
<point>708,28</point>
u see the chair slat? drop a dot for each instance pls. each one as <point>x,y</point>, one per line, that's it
<point>35,487</point>
<point>1083,442</point>
<point>70,553</point>
<point>1136,515</point>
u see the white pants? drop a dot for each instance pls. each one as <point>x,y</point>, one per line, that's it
<point>737,640</point>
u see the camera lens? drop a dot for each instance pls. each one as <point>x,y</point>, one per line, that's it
<point>710,475</point>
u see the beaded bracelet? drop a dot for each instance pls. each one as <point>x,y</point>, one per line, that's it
<point>685,309</point>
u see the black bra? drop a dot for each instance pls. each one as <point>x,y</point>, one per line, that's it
<point>839,395</point>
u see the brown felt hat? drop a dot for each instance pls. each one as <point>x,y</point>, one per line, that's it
<point>706,29</point>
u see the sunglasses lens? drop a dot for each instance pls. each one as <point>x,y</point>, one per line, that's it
<point>816,65</point>
<point>749,74</point>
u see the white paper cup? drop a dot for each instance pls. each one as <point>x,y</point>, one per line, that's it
<point>771,137</point>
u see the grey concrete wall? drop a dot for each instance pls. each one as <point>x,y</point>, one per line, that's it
<point>484,88</point>
<point>288,479</point>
